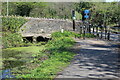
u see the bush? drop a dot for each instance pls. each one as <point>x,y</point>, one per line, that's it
<point>12,24</point>
<point>60,41</point>
<point>64,34</point>
<point>10,27</point>
<point>11,40</point>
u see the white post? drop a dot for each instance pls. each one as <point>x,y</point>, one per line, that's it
<point>62,30</point>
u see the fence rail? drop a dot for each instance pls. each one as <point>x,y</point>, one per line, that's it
<point>101,32</point>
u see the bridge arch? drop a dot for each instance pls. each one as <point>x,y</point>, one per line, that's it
<point>42,39</point>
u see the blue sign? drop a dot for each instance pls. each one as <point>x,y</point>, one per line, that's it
<point>6,74</point>
<point>86,16</point>
<point>86,11</point>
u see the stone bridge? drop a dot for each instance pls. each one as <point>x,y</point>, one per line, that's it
<point>37,28</point>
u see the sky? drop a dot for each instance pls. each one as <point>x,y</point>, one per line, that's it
<point>57,0</point>
<point>111,0</point>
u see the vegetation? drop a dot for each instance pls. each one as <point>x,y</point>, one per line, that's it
<point>20,59</point>
<point>12,24</point>
<point>87,35</point>
<point>57,56</point>
<point>11,40</point>
<point>101,12</point>
<point>42,61</point>
<point>45,61</point>
<point>105,13</point>
<point>10,28</point>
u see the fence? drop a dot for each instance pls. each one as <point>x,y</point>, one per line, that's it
<point>101,32</point>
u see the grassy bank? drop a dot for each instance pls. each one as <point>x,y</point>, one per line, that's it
<point>20,59</point>
<point>58,56</point>
<point>41,61</point>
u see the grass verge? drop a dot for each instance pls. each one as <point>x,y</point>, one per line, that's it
<point>58,56</point>
<point>21,59</point>
<point>41,61</point>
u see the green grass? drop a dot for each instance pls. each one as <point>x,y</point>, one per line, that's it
<point>41,61</point>
<point>58,56</point>
<point>29,49</point>
<point>50,67</point>
<point>21,59</point>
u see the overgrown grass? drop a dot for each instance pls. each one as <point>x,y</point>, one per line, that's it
<point>10,28</point>
<point>65,34</point>
<point>11,40</point>
<point>29,49</point>
<point>21,59</point>
<point>12,24</point>
<point>72,34</point>
<point>58,56</point>
<point>41,61</point>
<point>87,35</point>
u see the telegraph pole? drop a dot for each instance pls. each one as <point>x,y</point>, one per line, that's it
<point>7,8</point>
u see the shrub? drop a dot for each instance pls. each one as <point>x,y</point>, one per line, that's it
<point>60,43</point>
<point>12,24</point>
<point>10,27</point>
<point>11,40</point>
<point>64,34</point>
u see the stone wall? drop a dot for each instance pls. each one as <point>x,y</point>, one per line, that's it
<point>44,27</point>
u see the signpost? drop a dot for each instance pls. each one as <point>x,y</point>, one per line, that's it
<point>85,18</point>
<point>85,14</point>
<point>73,18</point>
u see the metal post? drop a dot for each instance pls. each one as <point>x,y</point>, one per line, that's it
<point>73,25</point>
<point>83,32</point>
<point>73,17</point>
<point>90,28</point>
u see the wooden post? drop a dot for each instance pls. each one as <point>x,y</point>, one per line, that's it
<point>108,37</point>
<point>96,29</point>
<point>80,30</point>
<point>93,29</point>
<point>105,32</point>
<point>97,34</point>
<point>83,32</point>
<point>101,32</point>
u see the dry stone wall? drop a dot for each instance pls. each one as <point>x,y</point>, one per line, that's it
<point>44,27</point>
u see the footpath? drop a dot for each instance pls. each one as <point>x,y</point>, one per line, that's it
<point>95,60</point>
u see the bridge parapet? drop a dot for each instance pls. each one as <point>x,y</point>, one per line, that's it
<point>44,27</point>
